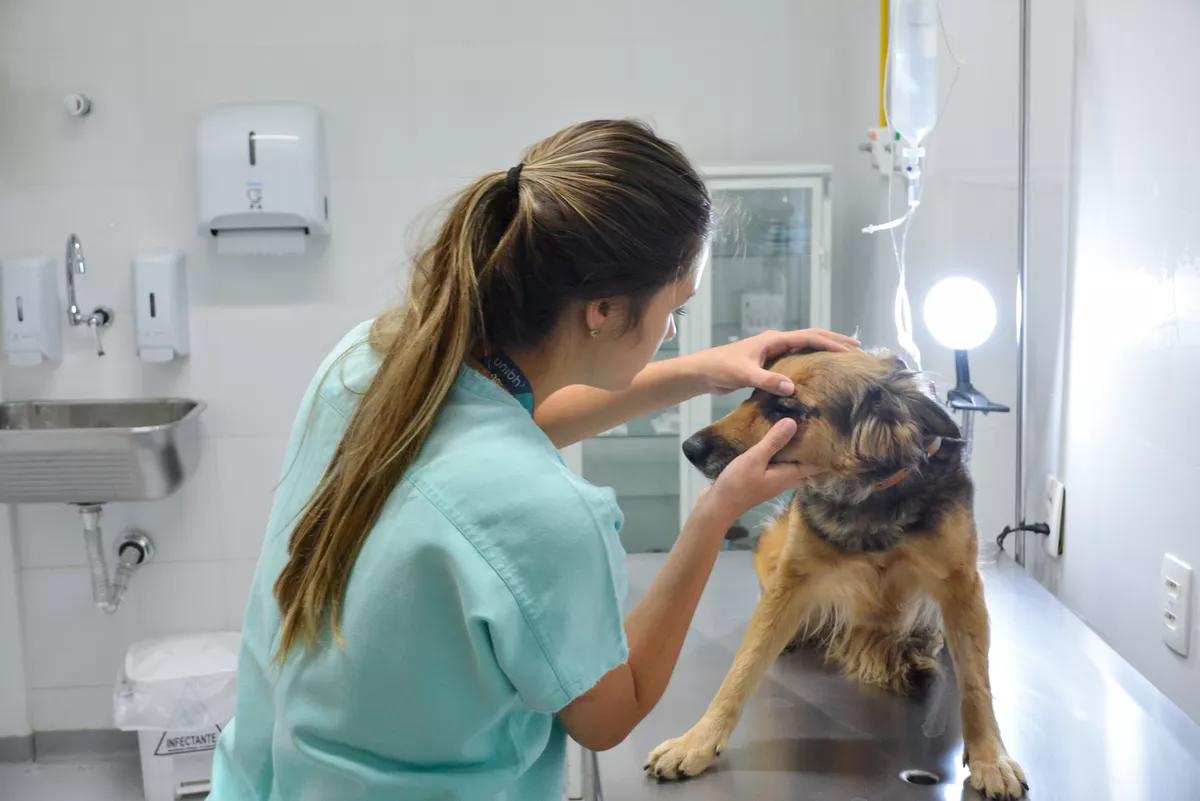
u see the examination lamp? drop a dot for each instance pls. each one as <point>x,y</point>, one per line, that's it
<point>961,315</point>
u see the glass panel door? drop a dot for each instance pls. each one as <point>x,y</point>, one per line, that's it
<point>765,274</point>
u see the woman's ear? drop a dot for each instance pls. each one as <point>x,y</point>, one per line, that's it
<point>606,317</point>
<point>596,314</point>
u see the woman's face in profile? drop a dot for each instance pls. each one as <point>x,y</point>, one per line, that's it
<point>629,353</point>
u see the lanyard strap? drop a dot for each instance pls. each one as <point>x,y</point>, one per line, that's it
<point>504,371</point>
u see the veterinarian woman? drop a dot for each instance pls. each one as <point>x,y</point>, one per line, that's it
<point>437,603</point>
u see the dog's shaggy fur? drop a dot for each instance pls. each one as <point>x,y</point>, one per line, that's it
<point>874,561</point>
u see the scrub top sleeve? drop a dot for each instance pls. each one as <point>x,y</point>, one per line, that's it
<point>561,629</point>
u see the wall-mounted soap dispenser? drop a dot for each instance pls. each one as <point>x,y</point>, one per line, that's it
<point>261,181</point>
<point>33,318</point>
<point>160,306</point>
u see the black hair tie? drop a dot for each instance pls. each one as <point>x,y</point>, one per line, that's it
<point>513,177</point>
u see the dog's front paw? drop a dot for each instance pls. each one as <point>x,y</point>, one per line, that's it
<point>999,778</point>
<point>689,755</point>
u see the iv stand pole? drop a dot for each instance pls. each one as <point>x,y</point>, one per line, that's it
<point>1022,263</point>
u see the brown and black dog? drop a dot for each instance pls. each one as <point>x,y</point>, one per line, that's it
<point>865,556</point>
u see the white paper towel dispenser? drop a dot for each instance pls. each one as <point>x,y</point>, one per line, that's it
<point>260,177</point>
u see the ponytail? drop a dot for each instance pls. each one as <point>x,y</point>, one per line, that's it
<point>603,209</point>
<point>422,347</point>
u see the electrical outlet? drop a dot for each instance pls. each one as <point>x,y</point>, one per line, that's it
<point>1053,507</point>
<point>1177,603</point>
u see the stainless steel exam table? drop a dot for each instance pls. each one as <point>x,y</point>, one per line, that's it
<point>1083,723</point>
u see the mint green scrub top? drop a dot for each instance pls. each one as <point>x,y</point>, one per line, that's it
<point>485,599</point>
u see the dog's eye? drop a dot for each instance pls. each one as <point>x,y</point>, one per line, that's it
<point>792,407</point>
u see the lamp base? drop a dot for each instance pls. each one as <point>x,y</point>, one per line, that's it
<point>964,397</point>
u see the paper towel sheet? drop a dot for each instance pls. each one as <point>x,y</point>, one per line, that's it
<point>265,242</point>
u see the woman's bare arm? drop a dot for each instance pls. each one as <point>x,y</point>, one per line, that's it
<point>577,412</point>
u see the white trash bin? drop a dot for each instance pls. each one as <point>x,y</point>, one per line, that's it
<point>177,693</point>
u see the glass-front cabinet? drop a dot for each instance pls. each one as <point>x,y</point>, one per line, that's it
<point>769,268</point>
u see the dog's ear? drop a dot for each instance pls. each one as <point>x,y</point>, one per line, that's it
<point>930,415</point>
<point>883,432</point>
<point>894,422</point>
<point>878,402</point>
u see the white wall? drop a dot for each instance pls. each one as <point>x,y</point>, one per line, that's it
<point>1117,423</point>
<point>418,97</point>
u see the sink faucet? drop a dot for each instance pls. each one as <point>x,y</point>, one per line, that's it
<point>101,316</point>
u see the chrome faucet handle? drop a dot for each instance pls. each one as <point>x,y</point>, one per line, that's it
<point>75,265</point>
<point>75,260</point>
<point>101,317</point>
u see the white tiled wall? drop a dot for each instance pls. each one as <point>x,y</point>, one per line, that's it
<point>417,97</point>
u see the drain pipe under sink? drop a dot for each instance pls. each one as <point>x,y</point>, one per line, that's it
<point>133,551</point>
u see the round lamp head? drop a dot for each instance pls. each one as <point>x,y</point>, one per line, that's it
<point>960,313</point>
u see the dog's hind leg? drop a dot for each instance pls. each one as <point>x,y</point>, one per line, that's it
<point>786,601</point>
<point>902,662</point>
<point>919,662</point>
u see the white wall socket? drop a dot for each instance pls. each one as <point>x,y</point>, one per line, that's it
<point>1177,603</point>
<point>1053,506</point>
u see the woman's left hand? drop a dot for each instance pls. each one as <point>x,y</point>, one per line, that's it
<point>740,364</point>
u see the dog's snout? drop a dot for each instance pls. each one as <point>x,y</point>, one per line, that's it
<point>696,448</point>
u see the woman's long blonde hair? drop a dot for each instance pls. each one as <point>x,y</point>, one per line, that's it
<point>603,209</point>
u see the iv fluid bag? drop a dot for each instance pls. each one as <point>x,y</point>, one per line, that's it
<point>912,75</point>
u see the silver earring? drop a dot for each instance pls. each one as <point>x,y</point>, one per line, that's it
<point>595,332</point>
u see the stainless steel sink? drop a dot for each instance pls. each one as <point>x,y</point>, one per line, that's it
<point>96,451</point>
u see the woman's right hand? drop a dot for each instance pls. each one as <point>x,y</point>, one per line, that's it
<point>751,478</point>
